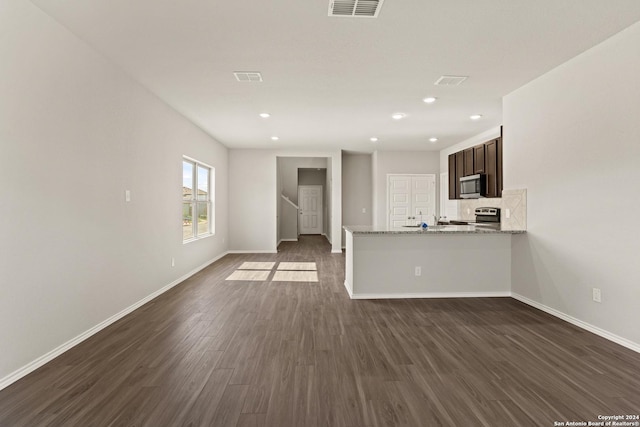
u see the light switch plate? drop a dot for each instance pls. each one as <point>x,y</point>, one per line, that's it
<point>597,295</point>
<point>127,195</point>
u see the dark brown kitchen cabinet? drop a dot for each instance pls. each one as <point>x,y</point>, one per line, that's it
<point>459,172</point>
<point>478,159</point>
<point>452,173</point>
<point>484,158</point>
<point>493,167</point>
<point>468,162</point>
<point>499,173</point>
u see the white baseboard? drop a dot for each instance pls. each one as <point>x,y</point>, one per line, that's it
<point>261,251</point>
<point>430,295</point>
<point>35,364</point>
<point>348,286</point>
<point>579,323</point>
<point>288,240</point>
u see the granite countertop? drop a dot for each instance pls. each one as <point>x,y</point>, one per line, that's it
<point>438,229</point>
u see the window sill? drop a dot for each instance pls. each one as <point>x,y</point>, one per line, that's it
<point>195,239</point>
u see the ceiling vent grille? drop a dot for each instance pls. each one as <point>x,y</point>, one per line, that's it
<point>450,80</point>
<point>355,8</point>
<point>248,76</point>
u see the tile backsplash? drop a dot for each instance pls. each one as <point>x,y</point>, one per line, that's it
<point>513,200</point>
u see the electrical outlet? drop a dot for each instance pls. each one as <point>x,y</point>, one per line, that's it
<point>507,213</point>
<point>364,210</point>
<point>418,271</point>
<point>127,195</point>
<point>597,295</point>
<point>173,262</point>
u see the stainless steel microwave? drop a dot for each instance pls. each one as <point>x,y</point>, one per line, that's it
<point>473,186</point>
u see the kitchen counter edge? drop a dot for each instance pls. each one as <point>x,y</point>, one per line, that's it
<point>447,229</point>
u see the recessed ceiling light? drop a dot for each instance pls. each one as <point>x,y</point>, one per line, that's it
<point>430,99</point>
<point>265,115</point>
<point>398,116</point>
<point>476,117</point>
<point>274,138</point>
<point>373,139</point>
<point>433,139</point>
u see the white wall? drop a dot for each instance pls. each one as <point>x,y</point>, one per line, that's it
<point>316,176</point>
<point>357,190</point>
<point>253,194</point>
<point>572,140</point>
<point>75,132</point>
<point>400,162</point>
<point>252,200</point>
<point>332,195</point>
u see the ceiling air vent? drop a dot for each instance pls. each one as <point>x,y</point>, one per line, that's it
<point>450,80</point>
<point>248,76</point>
<point>355,8</point>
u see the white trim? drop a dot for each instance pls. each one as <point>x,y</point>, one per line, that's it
<point>191,159</point>
<point>198,238</point>
<point>579,323</point>
<point>336,251</point>
<point>348,286</point>
<point>264,251</point>
<point>432,295</point>
<point>35,364</point>
<point>287,240</point>
<point>290,202</point>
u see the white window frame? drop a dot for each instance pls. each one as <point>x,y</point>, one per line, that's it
<point>194,199</point>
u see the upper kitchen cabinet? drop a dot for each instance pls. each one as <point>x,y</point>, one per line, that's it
<point>493,167</point>
<point>459,173</point>
<point>452,182</point>
<point>468,162</point>
<point>478,159</point>
<point>482,159</point>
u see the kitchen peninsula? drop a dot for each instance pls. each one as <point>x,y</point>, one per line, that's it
<point>439,262</point>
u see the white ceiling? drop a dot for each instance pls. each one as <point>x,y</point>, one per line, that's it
<point>333,82</point>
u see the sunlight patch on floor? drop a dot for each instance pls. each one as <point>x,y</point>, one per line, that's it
<point>254,275</point>
<point>297,266</point>
<point>295,276</point>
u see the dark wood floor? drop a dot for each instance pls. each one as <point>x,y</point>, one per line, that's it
<point>212,352</point>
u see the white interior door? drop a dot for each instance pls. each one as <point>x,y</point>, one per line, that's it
<point>423,198</point>
<point>412,199</point>
<point>310,203</point>
<point>399,200</point>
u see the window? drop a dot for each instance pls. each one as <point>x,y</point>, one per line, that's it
<point>197,199</point>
